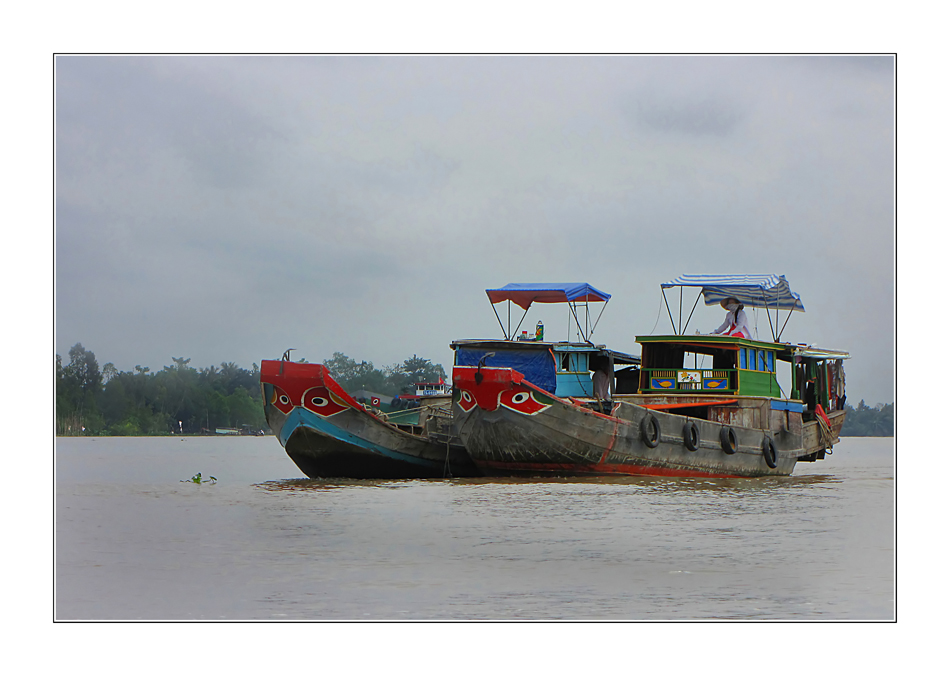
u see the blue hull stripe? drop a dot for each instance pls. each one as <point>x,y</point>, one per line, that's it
<point>793,406</point>
<point>301,417</point>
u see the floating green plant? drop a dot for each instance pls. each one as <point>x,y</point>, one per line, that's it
<point>196,479</point>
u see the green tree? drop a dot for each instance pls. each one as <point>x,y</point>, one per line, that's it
<point>78,386</point>
<point>353,375</point>
<point>403,377</point>
<point>868,421</point>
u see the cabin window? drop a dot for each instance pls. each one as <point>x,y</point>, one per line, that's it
<point>743,360</point>
<point>761,366</point>
<point>695,360</point>
<point>574,362</point>
<point>771,361</point>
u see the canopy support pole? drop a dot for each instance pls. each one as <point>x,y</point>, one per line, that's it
<point>672,323</point>
<point>522,320</point>
<point>499,322</point>
<point>598,318</point>
<point>694,308</point>
<point>785,324</point>
<point>577,321</point>
<point>768,314</point>
<point>680,330</point>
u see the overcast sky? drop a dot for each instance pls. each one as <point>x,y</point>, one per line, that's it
<point>228,208</point>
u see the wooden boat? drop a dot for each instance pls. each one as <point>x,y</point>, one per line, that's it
<point>328,434</point>
<point>694,405</point>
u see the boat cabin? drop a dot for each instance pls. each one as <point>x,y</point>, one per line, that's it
<point>687,368</point>
<point>564,368</point>
<point>433,389</point>
<point>709,364</point>
<point>725,365</point>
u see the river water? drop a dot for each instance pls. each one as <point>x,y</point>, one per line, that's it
<point>135,542</point>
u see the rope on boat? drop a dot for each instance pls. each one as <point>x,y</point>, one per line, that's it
<point>826,435</point>
<point>444,411</point>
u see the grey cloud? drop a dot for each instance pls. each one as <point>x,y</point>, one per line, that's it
<point>705,116</point>
<point>231,207</point>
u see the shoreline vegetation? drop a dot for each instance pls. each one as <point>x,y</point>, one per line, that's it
<point>183,400</point>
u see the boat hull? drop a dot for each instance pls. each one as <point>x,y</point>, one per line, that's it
<point>327,434</point>
<point>512,428</point>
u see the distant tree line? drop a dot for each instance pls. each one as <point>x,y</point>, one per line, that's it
<point>390,380</point>
<point>868,421</point>
<point>91,401</point>
<point>180,398</point>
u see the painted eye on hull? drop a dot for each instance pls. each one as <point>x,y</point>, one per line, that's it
<point>522,401</point>
<point>466,401</point>
<point>322,402</point>
<point>281,401</point>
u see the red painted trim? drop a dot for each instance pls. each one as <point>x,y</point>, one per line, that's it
<point>661,407</point>
<point>295,378</point>
<point>613,440</point>
<point>601,468</point>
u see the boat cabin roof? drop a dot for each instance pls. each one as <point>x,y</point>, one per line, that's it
<point>709,343</point>
<point>619,357</point>
<point>762,291</point>
<point>524,295</point>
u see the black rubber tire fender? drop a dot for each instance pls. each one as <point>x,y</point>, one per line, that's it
<point>728,441</point>
<point>691,435</point>
<point>650,430</point>
<point>769,453</point>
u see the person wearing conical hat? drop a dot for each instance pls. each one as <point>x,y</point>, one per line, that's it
<point>736,323</point>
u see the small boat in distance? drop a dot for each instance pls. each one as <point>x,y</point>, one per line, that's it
<point>690,406</point>
<point>328,434</point>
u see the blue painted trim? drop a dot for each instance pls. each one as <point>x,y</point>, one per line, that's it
<point>780,405</point>
<point>301,417</point>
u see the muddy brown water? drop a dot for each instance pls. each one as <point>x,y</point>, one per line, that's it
<point>134,542</point>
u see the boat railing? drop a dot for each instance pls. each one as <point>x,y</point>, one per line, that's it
<point>689,380</point>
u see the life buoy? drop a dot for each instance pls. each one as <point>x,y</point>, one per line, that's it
<point>728,441</point>
<point>691,435</point>
<point>768,452</point>
<point>650,430</point>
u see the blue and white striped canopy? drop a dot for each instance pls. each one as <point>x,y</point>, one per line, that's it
<point>765,291</point>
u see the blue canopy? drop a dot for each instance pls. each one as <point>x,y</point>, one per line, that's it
<point>765,291</point>
<point>559,292</point>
